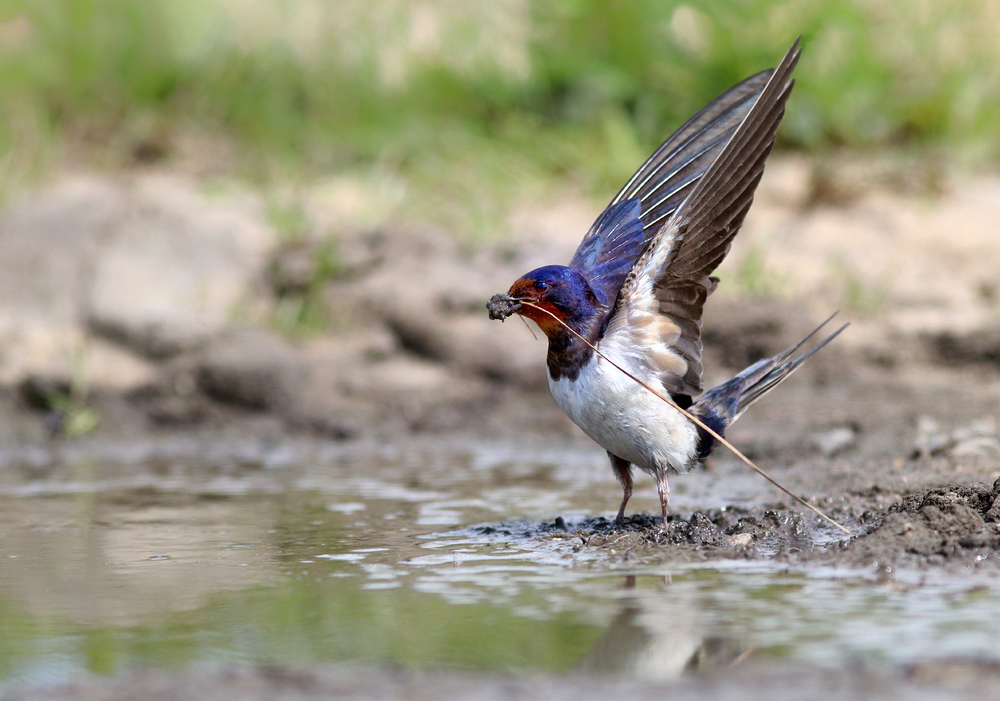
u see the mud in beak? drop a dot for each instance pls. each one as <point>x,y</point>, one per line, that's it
<point>502,306</point>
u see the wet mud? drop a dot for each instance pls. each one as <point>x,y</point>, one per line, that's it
<point>502,306</point>
<point>956,527</point>
<point>701,536</point>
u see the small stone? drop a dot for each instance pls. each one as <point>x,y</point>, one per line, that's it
<point>982,445</point>
<point>930,439</point>
<point>740,540</point>
<point>992,515</point>
<point>975,438</point>
<point>835,440</point>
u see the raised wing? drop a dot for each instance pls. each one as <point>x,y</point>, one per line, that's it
<point>622,232</point>
<point>658,311</point>
<point>610,249</point>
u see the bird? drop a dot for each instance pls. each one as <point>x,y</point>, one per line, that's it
<point>633,293</point>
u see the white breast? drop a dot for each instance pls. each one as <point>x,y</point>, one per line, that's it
<point>625,418</point>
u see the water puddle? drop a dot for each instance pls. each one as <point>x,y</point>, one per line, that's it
<point>299,554</point>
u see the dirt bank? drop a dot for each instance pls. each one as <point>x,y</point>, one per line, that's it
<point>192,311</point>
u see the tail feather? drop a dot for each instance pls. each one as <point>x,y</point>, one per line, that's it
<point>722,405</point>
<point>780,369</point>
<point>782,357</point>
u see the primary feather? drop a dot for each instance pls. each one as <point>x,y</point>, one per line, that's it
<point>665,291</point>
<point>623,231</point>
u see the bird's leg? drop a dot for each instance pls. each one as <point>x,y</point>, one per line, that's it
<point>623,471</point>
<point>664,489</point>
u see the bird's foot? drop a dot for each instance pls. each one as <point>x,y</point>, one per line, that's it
<point>664,490</point>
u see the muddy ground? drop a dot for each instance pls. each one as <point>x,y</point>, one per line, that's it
<point>957,526</point>
<point>160,316</point>
<point>892,430</point>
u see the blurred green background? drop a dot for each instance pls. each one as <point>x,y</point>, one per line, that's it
<point>458,107</point>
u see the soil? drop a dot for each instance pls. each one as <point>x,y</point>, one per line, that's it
<point>501,306</point>
<point>892,430</point>
<point>956,526</point>
<point>900,406</point>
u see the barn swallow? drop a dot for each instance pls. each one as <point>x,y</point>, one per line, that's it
<point>636,286</point>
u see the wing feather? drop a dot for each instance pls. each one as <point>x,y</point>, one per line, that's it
<point>697,137</point>
<point>671,278</point>
<point>623,231</point>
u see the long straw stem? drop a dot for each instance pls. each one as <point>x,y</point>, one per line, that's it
<point>692,418</point>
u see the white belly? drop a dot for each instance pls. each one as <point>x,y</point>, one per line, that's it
<point>626,419</point>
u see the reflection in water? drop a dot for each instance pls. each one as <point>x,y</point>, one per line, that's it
<point>117,564</point>
<point>659,638</point>
<point>105,580</point>
<point>353,556</point>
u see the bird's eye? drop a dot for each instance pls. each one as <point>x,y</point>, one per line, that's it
<point>541,286</point>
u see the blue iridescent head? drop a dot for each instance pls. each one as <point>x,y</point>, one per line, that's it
<point>558,291</point>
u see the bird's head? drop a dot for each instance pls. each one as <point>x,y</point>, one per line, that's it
<point>544,293</point>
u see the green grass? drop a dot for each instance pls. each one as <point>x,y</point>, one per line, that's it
<point>859,297</point>
<point>474,106</point>
<point>754,279</point>
<point>302,310</point>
